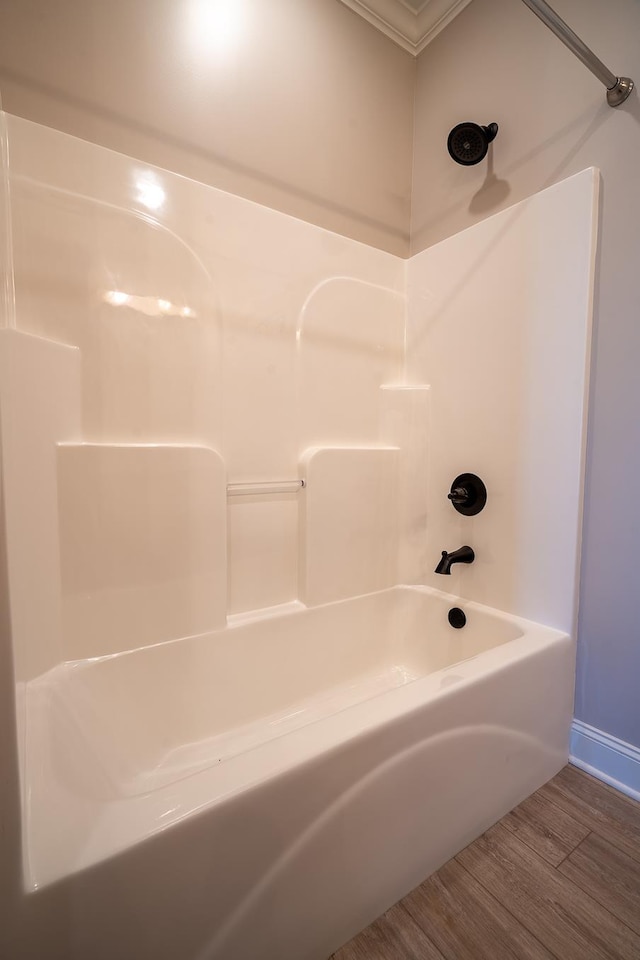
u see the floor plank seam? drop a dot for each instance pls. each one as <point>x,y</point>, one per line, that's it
<point>511,914</point>
<point>631,854</point>
<point>581,893</point>
<point>591,822</point>
<point>571,908</point>
<point>613,916</point>
<point>558,865</point>
<point>567,881</point>
<point>418,924</point>
<point>529,846</point>
<point>576,883</point>
<point>576,819</point>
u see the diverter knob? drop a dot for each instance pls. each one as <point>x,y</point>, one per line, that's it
<point>468,494</point>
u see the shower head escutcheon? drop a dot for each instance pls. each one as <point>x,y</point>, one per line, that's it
<point>468,142</point>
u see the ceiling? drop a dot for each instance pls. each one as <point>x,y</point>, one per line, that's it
<point>411,24</point>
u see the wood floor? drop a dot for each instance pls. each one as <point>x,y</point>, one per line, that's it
<point>558,877</point>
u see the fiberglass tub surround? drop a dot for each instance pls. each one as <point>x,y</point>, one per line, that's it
<point>228,439</point>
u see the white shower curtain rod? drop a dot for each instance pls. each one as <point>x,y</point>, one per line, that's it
<point>618,88</point>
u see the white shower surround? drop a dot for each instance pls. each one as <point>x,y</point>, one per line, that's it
<point>277,350</point>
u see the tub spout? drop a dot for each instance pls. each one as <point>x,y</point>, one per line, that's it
<point>463,555</point>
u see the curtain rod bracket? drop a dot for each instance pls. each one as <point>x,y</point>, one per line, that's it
<point>618,94</point>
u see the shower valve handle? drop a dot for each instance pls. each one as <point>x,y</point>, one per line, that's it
<point>459,495</point>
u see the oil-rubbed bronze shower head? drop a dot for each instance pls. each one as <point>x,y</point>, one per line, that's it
<point>468,142</point>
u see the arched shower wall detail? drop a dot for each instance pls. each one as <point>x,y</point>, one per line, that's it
<point>154,704</point>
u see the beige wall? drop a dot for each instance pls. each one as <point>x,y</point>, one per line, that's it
<point>497,62</point>
<point>308,110</point>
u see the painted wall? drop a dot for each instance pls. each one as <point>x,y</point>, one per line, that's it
<point>301,106</point>
<point>497,62</point>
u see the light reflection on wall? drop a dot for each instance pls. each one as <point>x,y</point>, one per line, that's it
<point>215,26</point>
<point>149,306</point>
<point>149,192</point>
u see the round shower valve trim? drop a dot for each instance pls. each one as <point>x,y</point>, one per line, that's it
<point>468,494</point>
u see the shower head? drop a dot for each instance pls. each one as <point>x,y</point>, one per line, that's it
<point>468,142</point>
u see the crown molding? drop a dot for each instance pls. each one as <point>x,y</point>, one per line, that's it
<point>409,24</point>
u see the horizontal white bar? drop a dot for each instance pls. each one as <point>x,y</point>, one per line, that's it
<point>269,486</point>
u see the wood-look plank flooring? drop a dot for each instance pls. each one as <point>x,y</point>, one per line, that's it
<point>558,878</point>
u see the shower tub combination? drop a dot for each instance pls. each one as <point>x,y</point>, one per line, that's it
<point>245,725</point>
<point>369,742</point>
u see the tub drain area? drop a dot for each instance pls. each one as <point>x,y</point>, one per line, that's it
<point>457,618</point>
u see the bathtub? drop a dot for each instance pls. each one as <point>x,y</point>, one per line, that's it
<point>282,782</point>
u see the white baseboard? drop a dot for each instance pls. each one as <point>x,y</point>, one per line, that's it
<point>605,757</point>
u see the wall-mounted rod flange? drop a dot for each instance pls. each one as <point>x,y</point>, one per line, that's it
<point>618,88</point>
<point>618,94</point>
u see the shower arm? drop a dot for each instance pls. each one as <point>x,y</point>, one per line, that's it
<point>618,88</point>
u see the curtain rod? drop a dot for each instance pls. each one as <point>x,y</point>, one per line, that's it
<point>618,88</point>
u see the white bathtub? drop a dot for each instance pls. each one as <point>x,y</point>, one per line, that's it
<point>290,777</point>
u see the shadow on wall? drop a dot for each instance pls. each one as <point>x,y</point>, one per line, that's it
<point>190,151</point>
<point>632,105</point>
<point>493,194</point>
